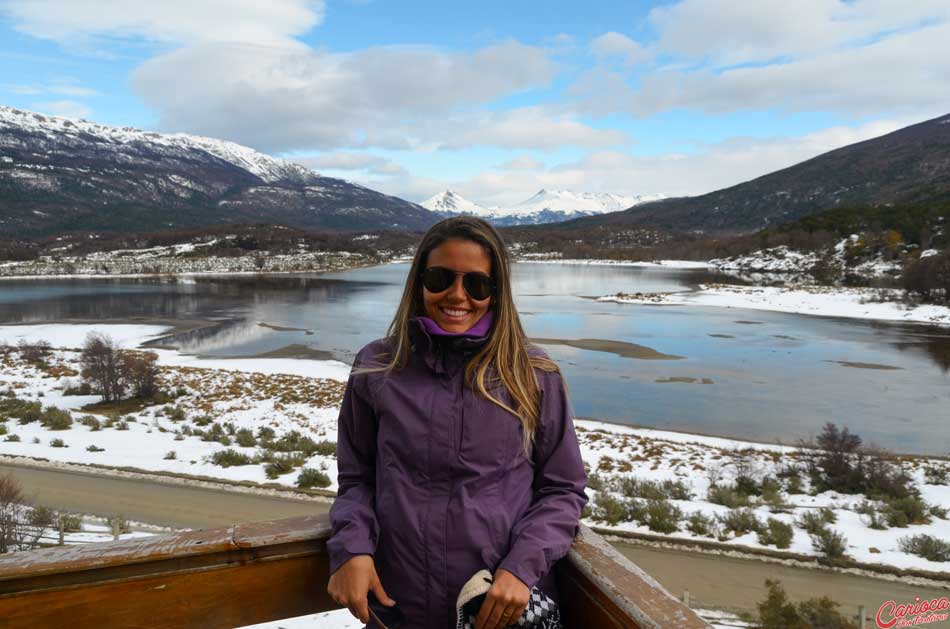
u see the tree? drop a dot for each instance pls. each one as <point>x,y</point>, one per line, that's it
<point>140,371</point>
<point>102,364</point>
<point>21,527</point>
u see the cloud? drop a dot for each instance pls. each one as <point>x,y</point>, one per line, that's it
<point>527,128</point>
<point>67,108</point>
<point>353,161</point>
<point>282,98</point>
<point>773,29</point>
<point>167,21</point>
<point>710,167</point>
<point>906,71</point>
<point>614,44</point>
<point>525,162</point>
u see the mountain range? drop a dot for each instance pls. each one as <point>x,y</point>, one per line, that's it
<point>546,206</point>
<point>59,174</point>
<point>909,166</point>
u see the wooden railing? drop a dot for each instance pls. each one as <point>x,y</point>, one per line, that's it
<point>263,571</point>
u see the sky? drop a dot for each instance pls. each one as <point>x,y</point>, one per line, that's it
<point>494,100</point>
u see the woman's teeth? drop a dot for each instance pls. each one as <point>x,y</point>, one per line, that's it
<point>452,312</point>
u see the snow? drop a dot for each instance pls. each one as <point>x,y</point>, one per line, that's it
<point>669,264</point>
<point>564,202</point>
<point>821,301</point>
<point>269,169</point>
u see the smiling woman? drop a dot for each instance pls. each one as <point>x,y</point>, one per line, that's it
<point>458,460</point>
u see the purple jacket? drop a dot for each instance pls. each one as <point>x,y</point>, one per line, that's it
<point>435,485</point>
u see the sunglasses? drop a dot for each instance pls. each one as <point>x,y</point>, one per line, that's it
<point>477,285</point>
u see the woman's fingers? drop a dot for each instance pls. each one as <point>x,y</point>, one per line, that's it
<point>381,595</point>
<point>489,614</point>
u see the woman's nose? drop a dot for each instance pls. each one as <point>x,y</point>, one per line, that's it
<point>457,290</point>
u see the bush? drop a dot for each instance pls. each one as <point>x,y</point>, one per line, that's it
<point>22,410</point>
<point>776,533</point>
<point>11,438</point>
<point>122,425</point>
<point>140,371</point>
<point>92,422</point>
<point>829,543</point>
<point>101,361</point>
<point>596,482</point>
<point>939,512</point>
<point>926,546</point>
<point>94,448</point>
<point>936,475</point>
<point>171,455</point>
<point>312,478</point>
<point>119,521</point>
<point>245,438</point>
<point>727,496</point>
<point>84,388</point>
<point>610,510</point>
<point>901,512</point>
<point>34,352</point>
<point>777,612</point>
<point>229,458</point>
<point>203,420</point>
<point>175,413</point>
<point>813,521</point>
<point>265,433</point>
<point>872,517</point>
<point>661,516</point>
<point>70,523</point>
<point>740,521</point>
<point>56,418</point>
<point>632,487</point>
<point>283,464</point>
<point>57,443</point>
<point>699,523</point>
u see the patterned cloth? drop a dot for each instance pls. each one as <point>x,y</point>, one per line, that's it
<point>542,612</point>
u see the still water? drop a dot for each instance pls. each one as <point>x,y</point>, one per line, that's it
<point>730,372</point>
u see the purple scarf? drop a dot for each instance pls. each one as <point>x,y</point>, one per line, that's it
<point>480,329</point>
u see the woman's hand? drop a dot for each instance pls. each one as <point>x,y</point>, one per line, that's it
<point>504,603</point>
<point>350,583</point>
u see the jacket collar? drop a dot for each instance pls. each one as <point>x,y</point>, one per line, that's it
<point>441,351</point>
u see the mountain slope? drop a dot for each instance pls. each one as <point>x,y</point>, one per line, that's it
<point>58,174</point>
<point>911,165</point>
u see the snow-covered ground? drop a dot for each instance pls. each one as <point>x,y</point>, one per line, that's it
<point>221,397</point>
<point>544,258</point>
<point>825,301</point>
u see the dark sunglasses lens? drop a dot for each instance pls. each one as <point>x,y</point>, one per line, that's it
<point>437,279</point>
<point>477,286</point>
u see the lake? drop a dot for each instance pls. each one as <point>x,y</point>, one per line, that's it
<point>731,372</point>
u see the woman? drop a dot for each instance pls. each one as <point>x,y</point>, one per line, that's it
<point>456,447</point>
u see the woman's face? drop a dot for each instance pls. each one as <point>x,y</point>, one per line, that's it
<point>453,309</point>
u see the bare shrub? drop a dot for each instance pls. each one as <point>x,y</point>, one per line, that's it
<point>101,362</point>
<point>140,371</point>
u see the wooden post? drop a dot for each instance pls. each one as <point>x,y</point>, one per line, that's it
<point>115,527</point>
<point>62,531</point>
<point>686,597</point>
<point>862,623</point>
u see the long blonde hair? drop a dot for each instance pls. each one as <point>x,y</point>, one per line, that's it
<point>504,357</point>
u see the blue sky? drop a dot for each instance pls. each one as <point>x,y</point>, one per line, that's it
<point>492,99</point>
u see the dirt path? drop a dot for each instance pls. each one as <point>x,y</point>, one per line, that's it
<point>155,503</point>
<point>713,581</point>
<point>738,584</point>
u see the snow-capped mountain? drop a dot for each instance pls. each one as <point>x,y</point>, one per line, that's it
<point>451,203</point>
<point>61,174</point>
<point>547,206</point>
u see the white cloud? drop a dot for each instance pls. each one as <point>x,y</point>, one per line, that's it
<point>279,98</point>
<point>344,160</point>
<point>725,32</point>
<point>61,89</point>
<point>524,162</point>
<point>614,44</point>
<point>712,167</point>
<point>67,108</point>
<point>169,21</point>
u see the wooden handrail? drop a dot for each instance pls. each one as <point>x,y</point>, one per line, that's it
<point>263,571</point>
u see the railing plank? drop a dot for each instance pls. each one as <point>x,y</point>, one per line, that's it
<point>265,571</point>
